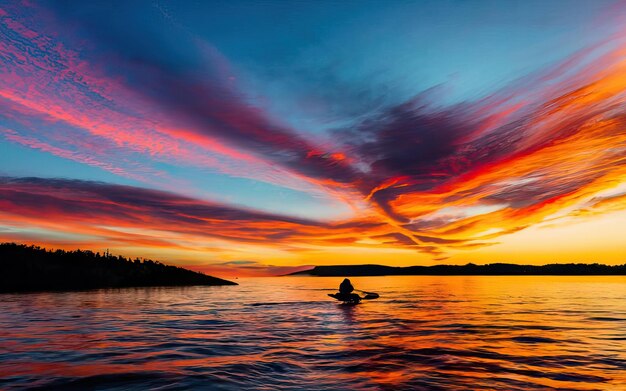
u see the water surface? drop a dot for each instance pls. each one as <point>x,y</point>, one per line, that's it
<point>425,332</point>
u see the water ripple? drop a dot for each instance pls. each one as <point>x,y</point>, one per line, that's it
<point>424,333</point>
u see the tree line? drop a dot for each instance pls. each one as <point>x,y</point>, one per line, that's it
<point>30,268</point>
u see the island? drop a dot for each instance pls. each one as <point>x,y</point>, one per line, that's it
<point>31,268</point>
<point>470,269</point>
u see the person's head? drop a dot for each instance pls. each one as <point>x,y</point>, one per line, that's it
<point>346,280</point>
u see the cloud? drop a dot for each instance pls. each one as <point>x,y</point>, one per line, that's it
<point>126,213</point>
<point>249,269</point>
<point>243,263</point>
<point>530,158</point>
<point>129,100</point>
<point>196,90</point>
<point>112,108</point>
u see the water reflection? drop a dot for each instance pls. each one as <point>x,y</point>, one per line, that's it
<point>284,333</point>
<point>348,314</point>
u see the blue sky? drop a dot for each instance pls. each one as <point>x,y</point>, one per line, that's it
<point>334,115</point>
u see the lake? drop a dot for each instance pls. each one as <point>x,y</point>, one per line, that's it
<point>424,332</point>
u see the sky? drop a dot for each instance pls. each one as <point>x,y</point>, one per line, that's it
<point>262,137</point>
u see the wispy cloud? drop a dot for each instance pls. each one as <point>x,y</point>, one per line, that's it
<point>422,176</point>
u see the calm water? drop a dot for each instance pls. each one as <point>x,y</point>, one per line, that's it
<point>451,333</point>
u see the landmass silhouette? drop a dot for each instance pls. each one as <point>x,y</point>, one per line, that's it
<point>493,269</point>
<point>32,268</point>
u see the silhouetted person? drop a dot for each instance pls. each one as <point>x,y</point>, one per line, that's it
<point>345,288</point>
<point>345,291</point>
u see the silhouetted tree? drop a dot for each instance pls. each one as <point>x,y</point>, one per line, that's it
<point>28,268</point>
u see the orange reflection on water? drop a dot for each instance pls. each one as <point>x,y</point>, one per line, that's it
<point>424,332</point>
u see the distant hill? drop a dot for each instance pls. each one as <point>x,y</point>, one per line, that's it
<point>31,268</point>
<point>494,269</point>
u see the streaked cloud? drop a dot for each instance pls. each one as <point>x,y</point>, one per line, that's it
<point>418,174</point>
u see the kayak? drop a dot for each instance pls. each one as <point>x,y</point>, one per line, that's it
<point>353,298</point>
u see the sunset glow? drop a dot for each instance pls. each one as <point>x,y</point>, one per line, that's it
<point>176,142</point>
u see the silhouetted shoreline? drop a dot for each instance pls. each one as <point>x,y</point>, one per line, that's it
<point>31,268</point>
<point>494,269</point>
